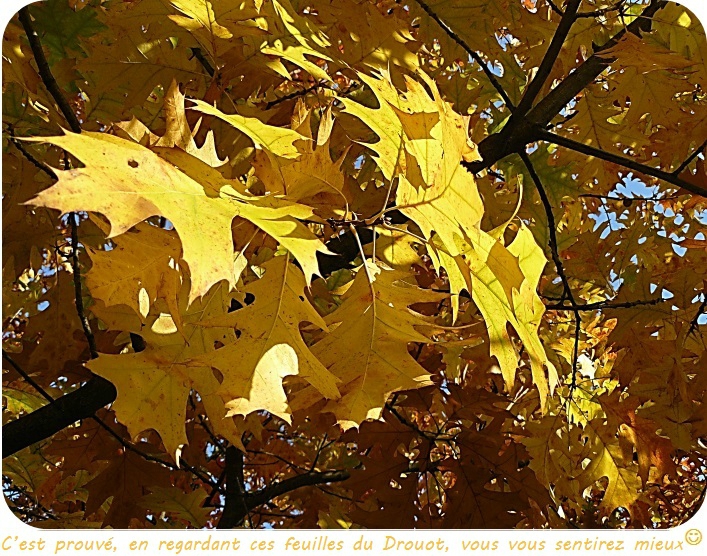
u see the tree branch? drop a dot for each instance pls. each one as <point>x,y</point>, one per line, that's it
<point>236,508</point>
<point>236,511</point>
<point>293,483</point>
<point>66,410</point>
<point>554,250</point>
<point>603,305</point>
<point>671,178</point>
<point>48,170</point>
<point>555,8</point>
<point>76,268</point>
<point>548,61</point>
<point>45,72</point>
<point>513,138</point>
<point>689,159</point>
<point>57,415</point>
<point>700,311</point>
<point>471,52</point>
<point>199,55</point>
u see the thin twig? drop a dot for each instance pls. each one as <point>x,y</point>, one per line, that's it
<point>700,311</point>
<point>48,170</point>
<point>293,95</point>
<point>430,436</point>
<point>555,8</point>
<point>598,13</point>
<point>214,439</point>
<point>689,159</point>
<point>26,376</point>
<point>471,52</point>
<point>629,200</point>
<point>46,73</point>
<point>599,305</point>
<point>554,250</point>
<point>76,268</point>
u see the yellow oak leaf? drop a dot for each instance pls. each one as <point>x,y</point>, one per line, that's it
<point>269,345</point>
<point>607,459</point>
<point>394,248</point>
<point>450,204</point>
<point>185,506</point>
<point>294,38</point>
<point>154,384</point>
<point>376,318</point>
<point>276,142</point>
<point>314,174</point>
<point>178,133</point>
<point>199,14</point>
<point>384,122</point>
<point>140,268</point>
<point>503,283</point>
<point>128,183</point>
<point>367,37</point>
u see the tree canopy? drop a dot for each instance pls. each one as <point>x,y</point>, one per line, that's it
<point>354,263</point>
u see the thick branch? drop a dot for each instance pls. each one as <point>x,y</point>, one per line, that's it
<point>620,160</point>
<point>199,55</point>
<point>235,509</point>
<point>513,138</point>
<point>46,73</point>
<point>62,412</point>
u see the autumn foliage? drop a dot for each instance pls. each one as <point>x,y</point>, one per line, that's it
<point>354,263</point>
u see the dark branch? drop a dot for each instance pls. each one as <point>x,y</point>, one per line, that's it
<point>554,251</point>
<point>199,55</point>
<point>26,376</point>
<point>555,8</point>
<point>471,52</point>
<point>73,217</point>
<point>66,410</point>
<point>431,436</point>
<point>240,508</point>
<point>599,305</point>
<point>548,61</point>
<point>292,96</point>
<point>46,73</point>
<point>671,178</point>
<point>597,13</point>
<point>30,157</point>
<point>62,412</point>
<point>690,158</point>
<point>293,483</point>
<point>236,508</point>
<point>513,138</point>
<point>700,311</point>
